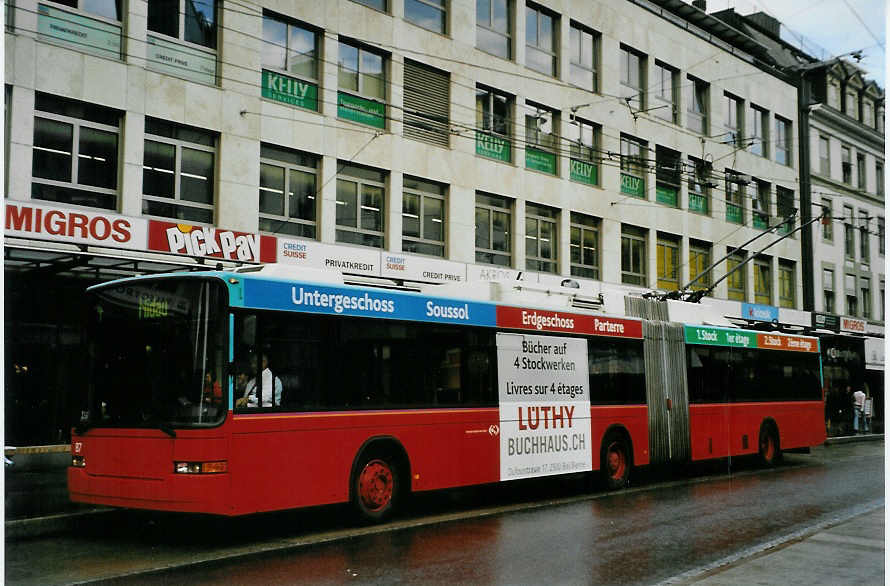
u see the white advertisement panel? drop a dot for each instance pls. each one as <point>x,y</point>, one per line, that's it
<point>544,403</point>
<point>75,226</point>
<point>315,255</point>
<point>396,265</point>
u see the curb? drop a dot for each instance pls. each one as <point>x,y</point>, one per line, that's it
<point>49,525</point>
<point>849,439</point>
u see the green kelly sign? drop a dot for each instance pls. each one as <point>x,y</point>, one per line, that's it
<point>281,88</point>
<point>633,185</point>
<point>720,337</point>
<point>666,195</point>
<point>734,213</point>
<point>87,33</point>
<point>493,147</point>
<point>540,160</point>
<point>583,171</point>
<point>360,110</point>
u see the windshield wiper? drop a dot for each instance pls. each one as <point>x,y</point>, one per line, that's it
<point>167,429</point>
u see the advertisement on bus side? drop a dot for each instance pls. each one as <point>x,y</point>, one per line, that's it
<point>544,404</point>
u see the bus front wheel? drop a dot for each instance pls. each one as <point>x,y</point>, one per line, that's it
<point>376,487</point>
<point>616,460</point>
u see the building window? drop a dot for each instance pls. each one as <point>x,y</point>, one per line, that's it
<point>633,166</point>
<point>376,4</point>
<point>362,82</point>
<point>846,165</point>
<point>493,124</point>
<point>633,255</point>
<point>290,49</point>
<point>667,261</point>
<point>583,57</point>
<point>665,87</point>
<point>633,78</point>
<point>736,188</point>
<point>668,176</point>
<point>584,165</point>
<point>850,291</point>
<point>851,105</point>
<point>699,186</point>
<point>699,261</point>
<point>494,27</point>
<point>423,217</point>
<point>584,246</point>
<point>759,131</point>
<point>763,283</point>
<point>783,141</point>
<point>733,119</point>
<point>540,238</point>
<point>849,234</point>
<point>868,113</point>
<point>824,157</point>
<point>429,14</point>
<point>786,284</point>
<point>493,230</point>
<point>178,171</point>
<point>760,206</point>
<point>860,170</point>
<point>881,236</point>
<point>426,104</point>
<point>828,290</point>
<point>541,140</point>
<point>864,238</point>
<point>865,296</point>
<point>75,153</point>
<point>879,178</point>
<point>288,190</point>
<point>735,282</point>
<point>540,40</point>
<point>193,21</point>
<point>785,208</point>
<point>110,9</point>
<point>361,193</point>
<point>697,105</point>
<point>827,221</point>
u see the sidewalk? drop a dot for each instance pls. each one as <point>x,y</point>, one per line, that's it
<point>848,553</point>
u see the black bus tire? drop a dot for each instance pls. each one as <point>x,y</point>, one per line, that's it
<point>616,461</point>
<point>768,448</point>
<point>376,486</point>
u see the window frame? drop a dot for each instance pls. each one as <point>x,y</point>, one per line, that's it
<point>860,170</point>
<point>852,294</point>
<point>288,167</point>
<point>759,131</point>
<point>699,260</point>
<point>181,28</point>
<point>635,96</point>
<point>825,158</point>
<point>553,51</point>
<point>672,112</point>
<point>580,225</point>
<point>439,5</point>
<point>865,304</point>
<point>633,162</point>
<point>178,145</point>
<point>579,32</point>
<point>697,105</point>
<point>667,261</point>
<point>734,119</point>
<point>786,284</point>
<point>539,215</point>
<point>76,124</point>
<point>828,226</point>
<point>737,282</point>
<point>864,238</point>
<point>761,205</point>
<point>849,234</point>
<point>494,204</point>
<point>290,23</point>
<point>698,186</point>
<point>424,195</point>
<point>582,152</point>
<point>736,194</point>
<point>487,122</point>
<point>635,239</point>
<point>828,297</point>
<point>784,141</point>
<point>360,91</point>
<point>491,30</point>
<point>763,280</point>
<point>342,230</point>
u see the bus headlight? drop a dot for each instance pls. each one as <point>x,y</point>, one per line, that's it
<point>78,462</point>
<point>200,467</point>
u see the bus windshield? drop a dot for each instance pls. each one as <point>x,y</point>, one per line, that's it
<point>157,354</point>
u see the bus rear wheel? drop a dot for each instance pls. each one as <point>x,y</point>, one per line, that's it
<point>768,445</point>
<point>376,487</point>
<point>616,460</point>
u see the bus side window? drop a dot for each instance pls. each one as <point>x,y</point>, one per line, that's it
<point>245,343</point>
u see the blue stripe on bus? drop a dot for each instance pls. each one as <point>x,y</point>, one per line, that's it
<point>332,300</point>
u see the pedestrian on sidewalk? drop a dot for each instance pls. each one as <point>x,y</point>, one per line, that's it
<point>858,411</point>
<point>867,410</point>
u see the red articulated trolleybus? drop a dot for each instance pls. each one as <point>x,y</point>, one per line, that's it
<point>232,393</point>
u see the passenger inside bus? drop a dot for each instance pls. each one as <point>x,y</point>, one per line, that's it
<point>270,387</point>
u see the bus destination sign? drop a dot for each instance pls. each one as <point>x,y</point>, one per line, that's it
<point>544,405</point>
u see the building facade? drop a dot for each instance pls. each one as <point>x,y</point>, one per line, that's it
<point>625,145</point>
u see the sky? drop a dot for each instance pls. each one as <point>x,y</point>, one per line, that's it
<point>829,27</point>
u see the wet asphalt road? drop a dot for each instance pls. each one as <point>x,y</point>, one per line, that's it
<point>669,524</point>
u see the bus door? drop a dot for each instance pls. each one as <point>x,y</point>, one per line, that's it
<point>666,396</point>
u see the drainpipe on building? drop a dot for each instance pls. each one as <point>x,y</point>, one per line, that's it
<point>806,196</point>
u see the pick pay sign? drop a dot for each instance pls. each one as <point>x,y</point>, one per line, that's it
<point>544,404</point>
